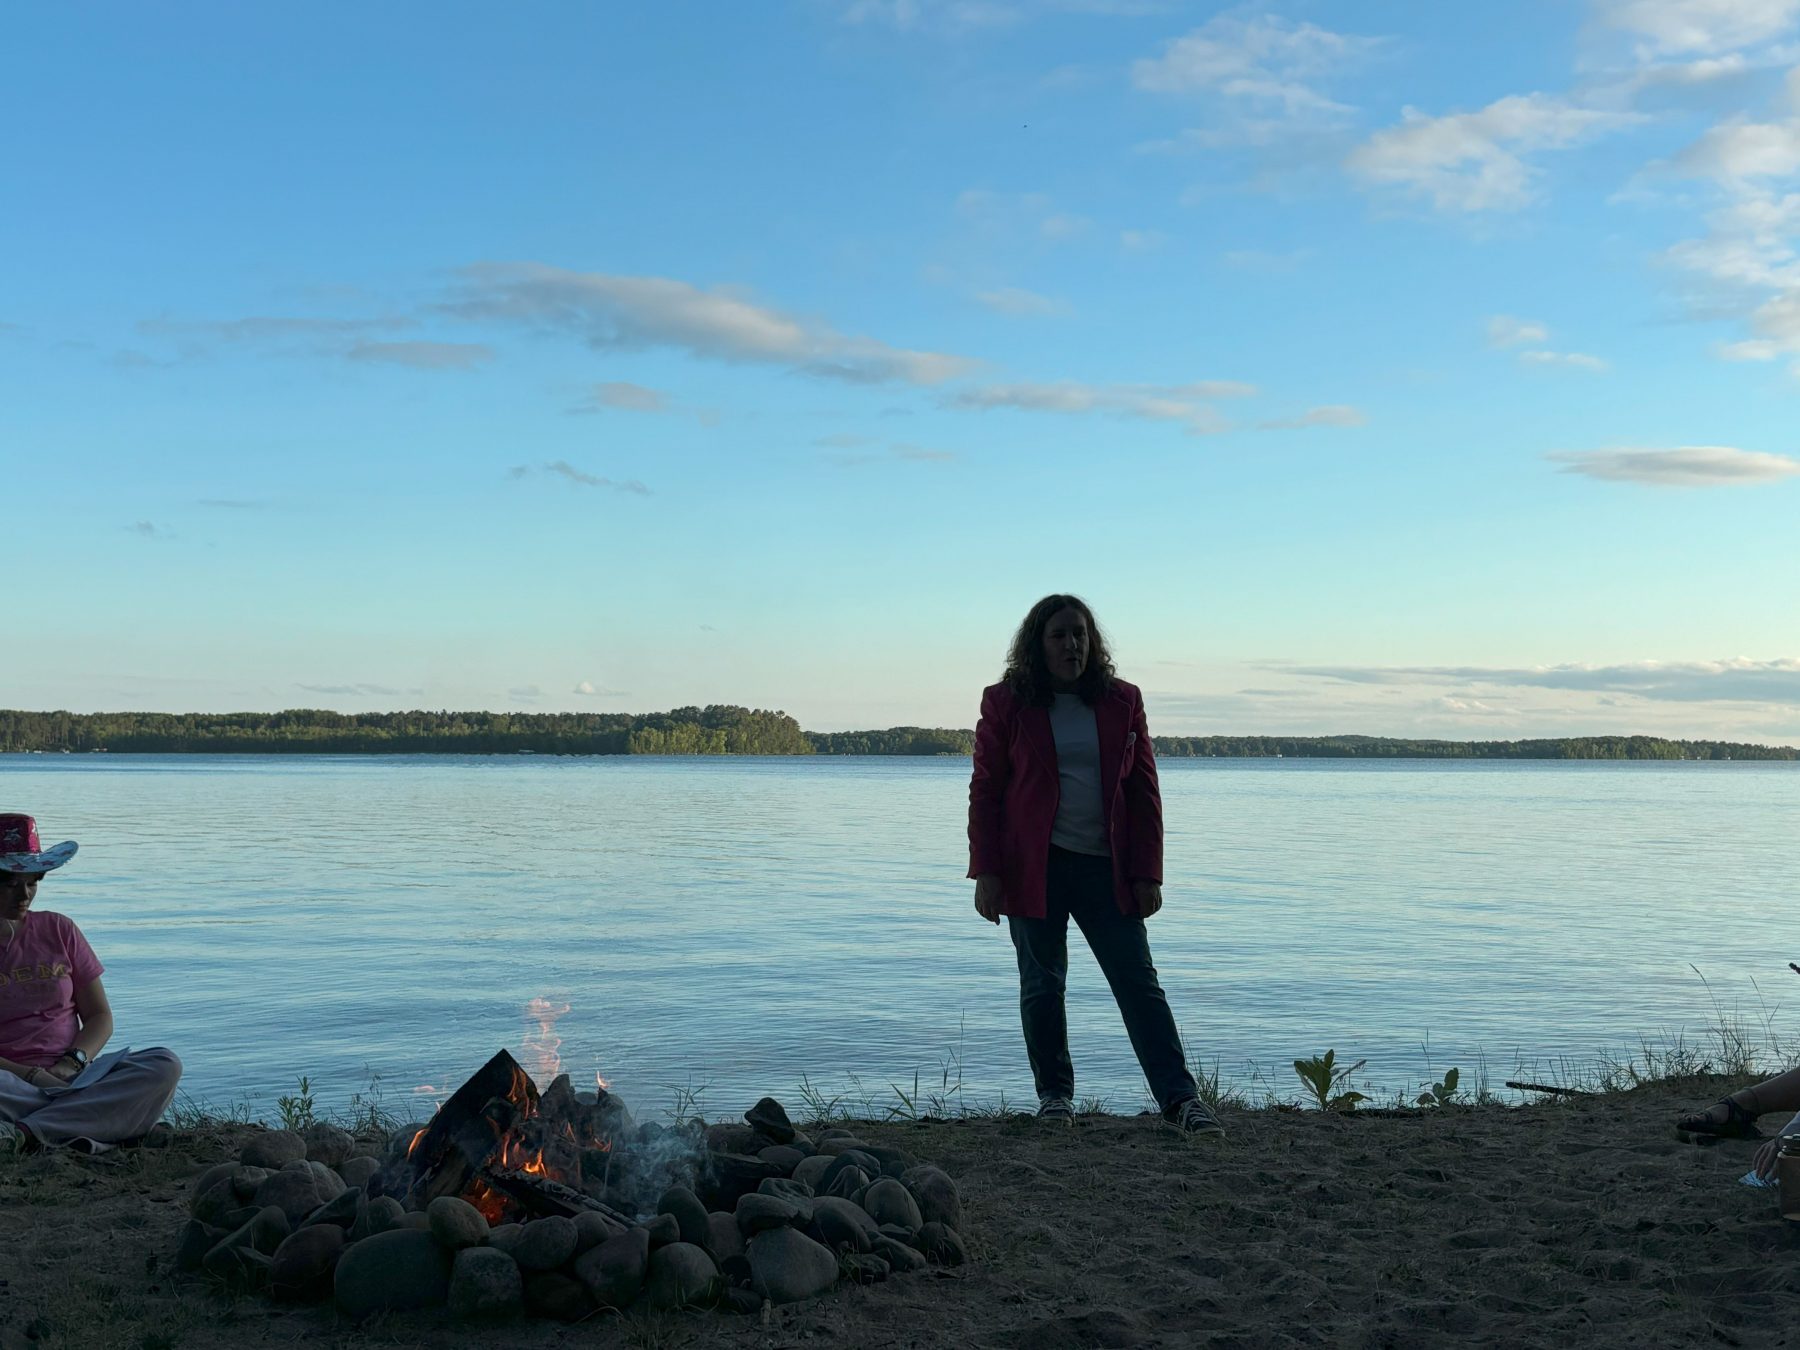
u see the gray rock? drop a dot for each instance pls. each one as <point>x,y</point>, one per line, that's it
<point>341,1209</point>
<point>784,1156</point>
<point>263,1232</point>
<point>835,1132</point>
<point>328,1144</point>
<point>796,1193</point>
<point>357,1171</point>
<point>273,1149</point>
<point>726,1176</point>
<point>504,1235</point>
<point>485,1283</point>
<point>854,1157</point>
<point>811,1171</point>
<point>900,1257</point>
<point>804,1142</point>
<point>207,1179</point>
<point>246,1180</point>
<point>768,1117</point>
<point>786,1266</point>
<point>238,1268</point>
<point>401,1270</point>
<point>847,1183</point>
<point>218,1197</point>
<point>560,1297</point>
<point>415,1218</point>
<point>687,1211</point>
<point>833,1144</point>
<point>894,1161</point>
<point>757,1213</point>
<point>299,1192</point>
<point>304,1263</point>
<point>742,1301</point>
<point>942,1245</point>
<point>681,1275</point>
<point>456,1223</point>
<point>936,1194</point>
<point>724,1240</point>
<point>888,1202</point>
<point>906,1237</point>
<point>613,1272</point>
<point>841,1225</point>
<point>592,1228</point>
<point>400,1142</point>
<point>380,1215</point>
<point>196,1240</point>
<point>734,1139</point>
<point>663,1230</point>
<point>545,1244</point>
<point>866,1269</point>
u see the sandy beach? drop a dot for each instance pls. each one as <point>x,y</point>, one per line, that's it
<point>1548,1225</point>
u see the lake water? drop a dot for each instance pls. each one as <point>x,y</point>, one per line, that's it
<point>733,924</point>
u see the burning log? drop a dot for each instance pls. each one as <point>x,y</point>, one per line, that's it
<point>541,1196</point>
<point>470,1129</point>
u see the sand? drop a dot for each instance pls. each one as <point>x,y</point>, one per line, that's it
<point>1579,1224</point>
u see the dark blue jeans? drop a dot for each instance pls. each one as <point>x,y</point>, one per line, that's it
<point>1081,885</point>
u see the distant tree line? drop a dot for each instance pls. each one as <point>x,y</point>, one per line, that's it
<point>717,729</point>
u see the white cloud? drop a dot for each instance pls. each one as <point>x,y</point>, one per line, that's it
<point>632,312</point>
<point>1506,331</point>
<point>1021,303</point>
<point>1186,404</point>
<point>423,355</point>
<point>591,690</point>
<point>1737,151</point>
<point>580,477</point>
<point>1686,467</point>
<point>1576,360</point>
<point>1142,241</point>
<point>624,395</point>
<point>1260,59</point>
<point>1009,214</point>
<point>1733,679</point>
<point>1698,27</point>
<point>1475,161</point>
<point>1328,415</point>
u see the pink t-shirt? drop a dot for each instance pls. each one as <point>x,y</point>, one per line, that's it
<point>40,970</point>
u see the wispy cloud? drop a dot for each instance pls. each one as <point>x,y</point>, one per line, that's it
<point>1687,467</point>
<point>1142,241</point>
<point>1572,360</point>
<point>958,18</point>
<point>855,452</point>
<point>1477,161</point>
<point>612,312</point>
<point>271,328</point>
<point>588,689</point>
<point>563,469</point>
<point>423,355</point>
<point>1665,28</point>
<point>1187,404</point>
<point>359,690</point>
<point>525,693</point>
<point>1506,331</point>
<point>1262,60</point>
<point>1021,303</point>
<point>1015,214</point>
<point>149,529</point>
<point>1735,679</point>
<point>1328,415</point>
<point>623,395</point>
<point>235,503</point>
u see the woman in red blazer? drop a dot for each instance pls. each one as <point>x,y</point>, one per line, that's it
<point>1065,820</point>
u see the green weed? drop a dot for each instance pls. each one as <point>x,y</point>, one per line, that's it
<point>1324,1079</point>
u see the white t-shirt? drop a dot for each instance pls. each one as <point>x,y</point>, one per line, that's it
<point>1080,817</point>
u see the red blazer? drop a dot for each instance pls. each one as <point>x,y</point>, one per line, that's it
<point>1015,789</point>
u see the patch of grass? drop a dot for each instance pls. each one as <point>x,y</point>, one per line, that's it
<point>297,1108</point>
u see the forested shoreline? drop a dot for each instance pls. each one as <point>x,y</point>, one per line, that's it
<point>718,729</point>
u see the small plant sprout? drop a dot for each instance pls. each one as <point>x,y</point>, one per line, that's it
<point>1442,1093</point>
<point>1324,1079</point>
<point>297,1110</point>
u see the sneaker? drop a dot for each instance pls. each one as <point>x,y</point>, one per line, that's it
<point>1056,1110</point>
<point>1193,1116</point>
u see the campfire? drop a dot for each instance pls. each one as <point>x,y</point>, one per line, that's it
<point>557,1203</point>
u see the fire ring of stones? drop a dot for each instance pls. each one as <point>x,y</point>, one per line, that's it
<point>557,1204</point>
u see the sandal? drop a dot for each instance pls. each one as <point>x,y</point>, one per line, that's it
<point>1702,1128</point>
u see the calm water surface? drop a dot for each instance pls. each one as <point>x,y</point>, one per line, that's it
<point>736,923</point>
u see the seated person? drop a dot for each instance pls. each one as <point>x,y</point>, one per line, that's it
<point>1734,1117</point>
<point>54,1018</point>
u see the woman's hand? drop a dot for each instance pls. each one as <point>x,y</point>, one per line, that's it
<point>43,1078</point>
<point>65,1070</point>
<point>987,897</point>
<point>1148,895</point>
<point>1764,1163</point>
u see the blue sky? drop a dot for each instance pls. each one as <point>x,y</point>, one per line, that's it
<point>1387,367</point>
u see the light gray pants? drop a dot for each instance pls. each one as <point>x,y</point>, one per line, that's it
<point>124,1104</point>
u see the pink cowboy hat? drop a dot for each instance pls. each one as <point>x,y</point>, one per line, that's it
<point>20,850</point>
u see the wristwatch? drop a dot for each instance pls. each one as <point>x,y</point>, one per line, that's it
<point>76,1053</point>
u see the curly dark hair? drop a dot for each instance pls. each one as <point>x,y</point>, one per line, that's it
<point>1026,672</point>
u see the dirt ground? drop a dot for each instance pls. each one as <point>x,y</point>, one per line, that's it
<point>1579,1224</point>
